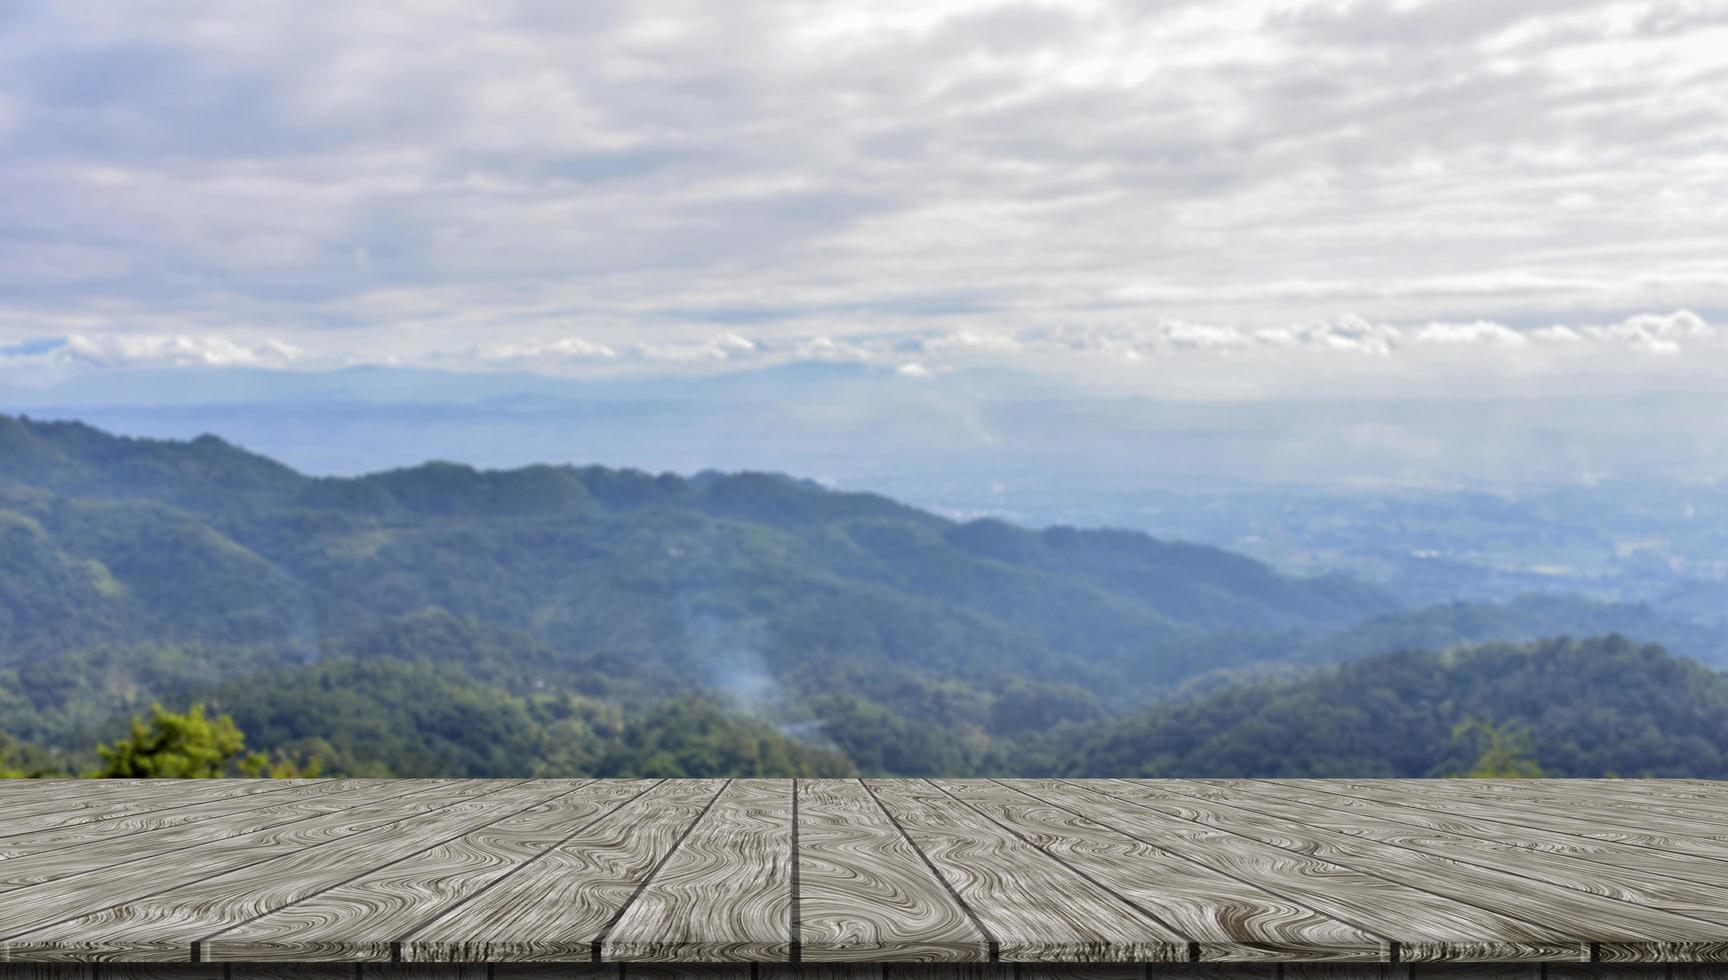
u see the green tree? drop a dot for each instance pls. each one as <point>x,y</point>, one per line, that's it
<point>1504,751</point>
<point>189,746</point>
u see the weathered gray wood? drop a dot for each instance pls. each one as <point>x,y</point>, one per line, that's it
<point>725,894</point>
<point>1226,918</point>
<point>115,798</point>
<point>126,833</point>
<point>1604,799</point>
<point>363,919</point>
<point>1651,833</point>
<point>1634,932</point>
<point>557,909</point>
<point>169,924</point>
<point>1630,857</point>
<point>93,916</point>
<point>1427,927</point>
<point>846,876</point>
<point>1631,874</point>
<point>1035,907</point>
<point>134,857</point>
<point>863,890</point>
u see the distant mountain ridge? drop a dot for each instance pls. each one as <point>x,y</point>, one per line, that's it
<point>134,569</point>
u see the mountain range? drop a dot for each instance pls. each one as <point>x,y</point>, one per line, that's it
<point>445,619</point>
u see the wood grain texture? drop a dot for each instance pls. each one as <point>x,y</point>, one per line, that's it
<point>171,923</point>
<point>1226,918</point>
<point>140,853</point>
<point>1035,907</point>
<point>127,830</point>
<point>560,907</point>
<point>117,800</point>
<point>864,892</point>
<point>864,880</point>
<point>96,916</point>
<point>363,919</point>
<point>1602,801</point>
<point>1634,931</point>
<point>1425,925</point>
<point>725,894</point>
<point>1562,819</point>
<point>1629,857</point>
<point>1643,888</point>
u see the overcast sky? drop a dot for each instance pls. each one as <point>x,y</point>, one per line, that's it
<point>1211,197</point>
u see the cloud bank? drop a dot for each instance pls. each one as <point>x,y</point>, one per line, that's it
<point>1093,185</point>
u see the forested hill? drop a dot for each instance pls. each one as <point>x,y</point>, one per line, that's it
<point>441,619</point>
<point>1597,707</point>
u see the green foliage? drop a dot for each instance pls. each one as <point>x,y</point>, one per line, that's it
<point>1503,750</point>
<point>442,620</point>
<point>1563,707</point>
<point>695,737</point>
<point>174,746</point>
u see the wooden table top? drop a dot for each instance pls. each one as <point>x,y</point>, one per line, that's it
<point>871,871</point>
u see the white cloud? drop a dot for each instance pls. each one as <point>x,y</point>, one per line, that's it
<point>86,351</point>
<point>608,185</point>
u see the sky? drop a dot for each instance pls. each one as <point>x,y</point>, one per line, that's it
<point>1225,201</point>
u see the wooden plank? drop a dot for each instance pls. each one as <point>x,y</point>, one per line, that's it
<point>1426,926</point>
<point>365,918</point>
<point>864,892</point>
<point>1033,906</point>
<point>68,920</point>
<point>107,803</point>
<point>1643,889</point>
<point>725,894</point>
<point>1558,820</point>
<point>1610,814</point>
<point>1631,873</point>
<point>154,847</point>
<point>170,924</point>
<point>1630,857</point>
<point>1597,798</point>
<point>1632,930</point>
<point>130,826</point>
<point>560,907</point>
<point>1226,918</point>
